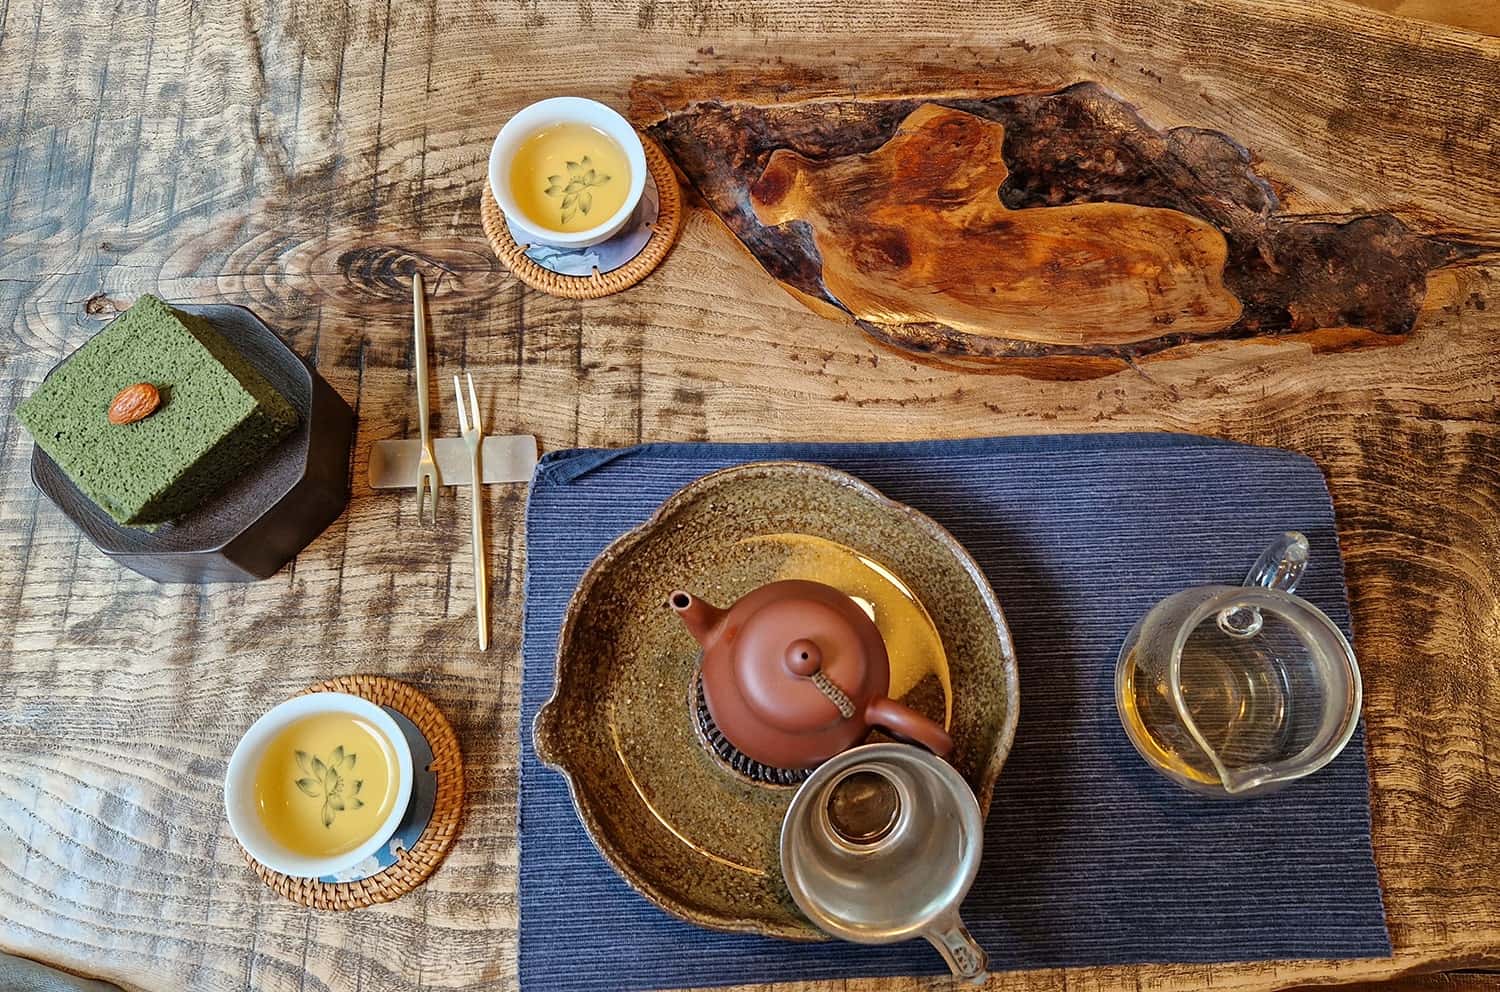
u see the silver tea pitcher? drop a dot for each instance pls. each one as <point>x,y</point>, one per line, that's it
<point>880,845</point>
<point>1237,690</point>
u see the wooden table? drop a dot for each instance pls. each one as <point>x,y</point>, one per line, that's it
<point>305,157</point>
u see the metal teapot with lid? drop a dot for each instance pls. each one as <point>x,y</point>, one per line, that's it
<point>795,672</point>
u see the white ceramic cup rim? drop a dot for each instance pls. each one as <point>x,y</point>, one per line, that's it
<point>239,783</point>
<point>557,110</point>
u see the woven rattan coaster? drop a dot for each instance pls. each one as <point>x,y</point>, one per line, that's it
<point>413,865</point>
<point>655,237</point>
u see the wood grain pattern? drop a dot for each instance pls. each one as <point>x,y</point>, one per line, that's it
<point>1475,15</point>
<point>305,157</point>
<point>1460,981</point>
<point>913,232</point>
<point>1054,224</point>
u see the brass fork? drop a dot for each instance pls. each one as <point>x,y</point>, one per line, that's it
<point>473,430</point>
<point>429,483</point>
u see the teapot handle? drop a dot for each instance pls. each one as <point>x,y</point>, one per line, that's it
<point>903,721</point>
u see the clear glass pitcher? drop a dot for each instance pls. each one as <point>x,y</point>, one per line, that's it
<point>1237,690</point>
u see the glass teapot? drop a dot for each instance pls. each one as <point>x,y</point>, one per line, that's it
<point>1236,690</point>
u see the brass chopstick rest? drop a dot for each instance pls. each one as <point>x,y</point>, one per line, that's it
<point>502,458</point>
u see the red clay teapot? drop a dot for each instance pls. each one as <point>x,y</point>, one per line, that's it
<point>795,672</point>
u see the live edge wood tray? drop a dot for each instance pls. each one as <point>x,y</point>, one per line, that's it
<point>1058,228</point>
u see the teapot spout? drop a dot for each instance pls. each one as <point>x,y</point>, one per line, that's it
<point>700,618</point>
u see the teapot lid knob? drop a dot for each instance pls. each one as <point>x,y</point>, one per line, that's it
<point>803,657</point>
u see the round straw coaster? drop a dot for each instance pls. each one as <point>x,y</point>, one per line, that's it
<point>413,864</point>
<point>603,269</point>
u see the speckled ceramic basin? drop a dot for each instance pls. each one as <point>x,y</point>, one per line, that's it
<point>674,820</point>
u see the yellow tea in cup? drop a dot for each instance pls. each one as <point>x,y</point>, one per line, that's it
<point>325,784</point>
<point>569,177</point>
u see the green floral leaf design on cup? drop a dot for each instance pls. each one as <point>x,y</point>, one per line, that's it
<point>322,780</point>
<point>576,192</point>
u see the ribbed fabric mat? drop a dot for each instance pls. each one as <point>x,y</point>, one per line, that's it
<point>1090,857</point>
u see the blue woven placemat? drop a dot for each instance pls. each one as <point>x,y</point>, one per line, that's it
<point>1090,857</point>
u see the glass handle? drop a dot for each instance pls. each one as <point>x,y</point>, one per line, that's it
<point>965,957</point>
<point>1280,566</point>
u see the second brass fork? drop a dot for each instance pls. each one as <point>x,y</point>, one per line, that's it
<point>473,431</point>
<point>429,483</point>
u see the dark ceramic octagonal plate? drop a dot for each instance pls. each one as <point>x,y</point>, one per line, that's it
<point>675,821</point>
<point>261,520</point>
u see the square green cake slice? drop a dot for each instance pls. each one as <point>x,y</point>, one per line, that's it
<point>218,415</point>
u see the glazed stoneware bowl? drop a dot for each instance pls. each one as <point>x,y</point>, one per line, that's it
<point>678,823</point>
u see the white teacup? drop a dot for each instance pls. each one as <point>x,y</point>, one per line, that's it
<point>239,784</point>
<point>566,110</point>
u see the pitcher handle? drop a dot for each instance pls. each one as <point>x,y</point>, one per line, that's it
<point>965,957</point>
<point>1280,566</point>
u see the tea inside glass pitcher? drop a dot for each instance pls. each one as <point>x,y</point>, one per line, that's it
<point>1236,690</point>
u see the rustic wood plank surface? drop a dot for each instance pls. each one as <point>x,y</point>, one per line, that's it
<point>1456,981</point>
<point>1476,15</point>
<point>304,157</point>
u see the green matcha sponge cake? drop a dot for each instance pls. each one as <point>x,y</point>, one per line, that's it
<point>218,416</point>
